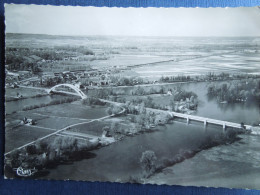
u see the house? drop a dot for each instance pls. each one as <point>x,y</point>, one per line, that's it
<point>11,76</point>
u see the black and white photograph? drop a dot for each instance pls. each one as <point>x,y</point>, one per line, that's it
<point>133,95</point>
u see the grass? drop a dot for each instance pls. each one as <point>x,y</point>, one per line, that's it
<point>94,128</point>
<point>21,135</point>
<point>74,110</point>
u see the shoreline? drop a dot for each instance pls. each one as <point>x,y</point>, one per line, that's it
<point>214,167</point>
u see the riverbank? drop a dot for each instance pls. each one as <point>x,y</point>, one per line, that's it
<point>120,161</point>
<point>233,165</point>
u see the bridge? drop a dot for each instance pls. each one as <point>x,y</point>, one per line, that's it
<point>76,89</point>
<point>206,121</point>
<point>188,117</point>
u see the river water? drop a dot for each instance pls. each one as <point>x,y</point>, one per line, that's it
<point>120,161</point>
<point>12,106</point>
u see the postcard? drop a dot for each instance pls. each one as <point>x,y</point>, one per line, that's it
<point>140,95</point>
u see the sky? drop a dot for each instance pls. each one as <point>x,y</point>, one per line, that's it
<point>69,20</point>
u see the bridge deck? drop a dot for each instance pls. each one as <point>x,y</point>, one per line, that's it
<point>208,120</point>
<point>68,93</point>
<point>193,117</point>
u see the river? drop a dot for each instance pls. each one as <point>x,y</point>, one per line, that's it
<point>120,161</point>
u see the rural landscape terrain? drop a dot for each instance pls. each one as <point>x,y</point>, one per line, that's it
<point>161,110</point>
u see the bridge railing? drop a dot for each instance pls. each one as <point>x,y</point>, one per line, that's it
<point>209,120</point>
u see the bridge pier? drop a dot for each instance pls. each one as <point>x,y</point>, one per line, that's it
<point>188,120</point>
<point>224,127</point>
<point>205,123</point>
<point>172,115</point>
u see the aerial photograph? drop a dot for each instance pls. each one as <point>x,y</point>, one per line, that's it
<point>133,95</point>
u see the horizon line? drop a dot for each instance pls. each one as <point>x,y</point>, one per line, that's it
<point>73,35</point>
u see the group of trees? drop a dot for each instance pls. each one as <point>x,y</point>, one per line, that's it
<point>18,63</point>
<point>21,58</point>
<point>153,90</point>
<point>48,152</point>
<point>143,117</point>
<point>183,95</point>
<point>112,109</point>
<point>118,130</point>
<point>126,81</point>
<point>190,99</point>
<point>135,108</point>
<point>148,162</point>
<point>234,91</point>
<point>92,101</point>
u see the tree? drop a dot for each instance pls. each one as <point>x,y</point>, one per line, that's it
<point>139,91</point>
<point>148,162</point>
<point>115,127</point>
<point>141,108</point>
<point>109,110</point>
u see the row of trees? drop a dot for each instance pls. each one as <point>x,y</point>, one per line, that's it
<point>178,78</point>
<point>92,101</point>
<point>139,91</point>
<point>211,76</point>
<point>153,90</point>
<point>53,102</point>
<point>126,81</point>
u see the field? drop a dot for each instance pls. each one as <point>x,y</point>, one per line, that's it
<point>169,56</point>
<point>49,120</point>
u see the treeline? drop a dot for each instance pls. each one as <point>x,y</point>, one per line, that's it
<point>81,49</point>
<point>178,78</point>
<point>137,91</point>
<point>53,102</point>
<point>240,91</point>
<point>126,81</point>
<point>211,76</point>
<point>153,90</point>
